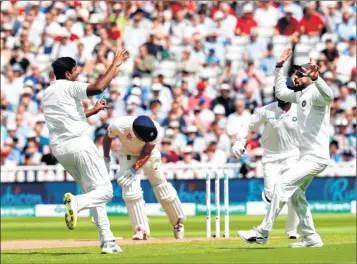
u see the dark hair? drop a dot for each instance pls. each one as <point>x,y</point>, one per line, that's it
<point>63,65</point>
<point>334,142</point>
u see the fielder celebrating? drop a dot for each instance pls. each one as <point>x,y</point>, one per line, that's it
<point>139,137</point>
<point>72,147</point>
<point>313,97</point>
<point>280,144</point>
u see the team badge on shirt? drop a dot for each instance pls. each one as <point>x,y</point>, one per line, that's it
<point>303,104</point>
<point>294,119</point>
<point>129,137</point>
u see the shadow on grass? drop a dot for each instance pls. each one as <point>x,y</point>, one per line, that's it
<point>245,249</point>
<point>43,253</point>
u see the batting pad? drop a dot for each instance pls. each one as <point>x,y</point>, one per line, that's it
<point>167,196</point>
<point>133,197</point>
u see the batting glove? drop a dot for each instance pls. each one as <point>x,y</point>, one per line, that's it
<point>127,178</point>
<point>107,163</point>
<point>238,148</point>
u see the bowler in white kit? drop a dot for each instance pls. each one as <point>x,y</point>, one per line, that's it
<point>313,98</point>
<point>139,137</point>
<point>73,148</point>
<point>280,145</point>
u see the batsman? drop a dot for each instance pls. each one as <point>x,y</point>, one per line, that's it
<point>139,137</point>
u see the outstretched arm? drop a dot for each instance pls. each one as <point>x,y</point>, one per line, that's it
<point>281,90</point>
<point>102,82</point>
<point>325,93</point>
<point>255,121</point>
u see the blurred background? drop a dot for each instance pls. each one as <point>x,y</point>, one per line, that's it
<point>199,68</point>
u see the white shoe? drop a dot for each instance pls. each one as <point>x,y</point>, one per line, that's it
<point>254,236</point>
<point>69,201</point>
<point>308,241</point>
<point>140,234</point>
<point>179,230</point>
<point>110,247</point>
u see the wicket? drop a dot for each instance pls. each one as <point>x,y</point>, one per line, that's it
<point>217,204</point>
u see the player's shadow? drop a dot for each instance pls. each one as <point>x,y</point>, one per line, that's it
<point>43,253</point>
<point>245,249</point>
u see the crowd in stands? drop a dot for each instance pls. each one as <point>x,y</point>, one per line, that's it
<point>199,68</point>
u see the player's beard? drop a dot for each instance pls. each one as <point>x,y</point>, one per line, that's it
<point>281,104</point>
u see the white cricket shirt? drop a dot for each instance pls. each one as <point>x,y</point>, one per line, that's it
<point>313,114</point>
<point>122,128</point>
<point>280,136</point>
<point>63,110</point>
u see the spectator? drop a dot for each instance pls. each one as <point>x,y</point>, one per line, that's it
<point>335,156</point>
<point>145,62</point>
<point>251,76</point>
<point>153,48</point>
<point>166,147</point>
<point>347,27</point>
<point>229,20</point>
<point>198,143</point>
<point>288,25</point>
<point>239,117</point>
<point>332,16</point>
<point>246,22</point>
<point>256,47</point>
<point>195,100</point>
<point>89,40</point>
<point>296,10</point>
<point>345,65</point>
<point>266,15</point>
<point>267,65</point>
<point>213,155</point>
<point>218,133</point>
<point>311,24</point>
<point>330,51</point>
<point>134,35</point>
<point>224,99</point>
<point>49,159</point>
<point>198,54</point>
<point>187,159</point>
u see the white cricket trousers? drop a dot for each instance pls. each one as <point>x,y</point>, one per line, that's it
<point>84,162</point>
<point>272,172</point>
<point>164,192</point>
<point>292,184</point>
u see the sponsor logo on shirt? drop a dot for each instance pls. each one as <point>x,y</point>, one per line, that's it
<point>303,104</point>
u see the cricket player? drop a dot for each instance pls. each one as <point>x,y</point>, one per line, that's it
<point>77,153</point>
<point>139,137</point>
<point>280,144</point>
<point>313,98</point>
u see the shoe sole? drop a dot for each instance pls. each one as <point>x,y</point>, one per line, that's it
<point>313,246</point>
<point>251,242</point>
<point>245,240</point>
<point>70,216</point>
<point>109,252</point>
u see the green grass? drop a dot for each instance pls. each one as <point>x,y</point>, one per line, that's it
<point>337,231</point>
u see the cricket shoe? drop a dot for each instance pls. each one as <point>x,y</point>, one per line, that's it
<point>70,216</point>
<point>110,247</point>
<point>254,236</point>
<point>179,230</point>
<point>313,240</point>
<point>140,234</point>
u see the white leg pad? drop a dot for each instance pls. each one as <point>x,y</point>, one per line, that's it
<point>167,196</point>
<point>133,197</point>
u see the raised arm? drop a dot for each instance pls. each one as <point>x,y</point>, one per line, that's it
<point>324,96</point>
<point>102,82</point>
<point>281,90</point>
